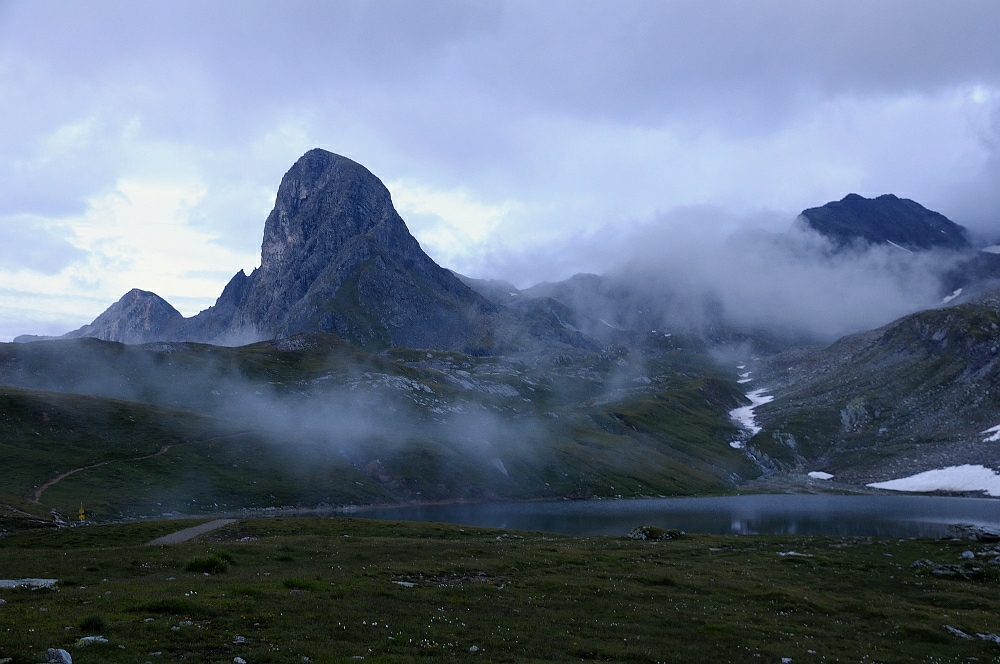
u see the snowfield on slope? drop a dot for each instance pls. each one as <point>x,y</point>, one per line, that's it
<point>744,415</point>
<point>953,478</point>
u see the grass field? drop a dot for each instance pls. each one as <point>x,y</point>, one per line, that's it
<point>339,589</point>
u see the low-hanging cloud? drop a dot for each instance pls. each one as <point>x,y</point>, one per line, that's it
<point>698,268</point>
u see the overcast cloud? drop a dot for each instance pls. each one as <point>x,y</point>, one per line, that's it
<point>142,143</point>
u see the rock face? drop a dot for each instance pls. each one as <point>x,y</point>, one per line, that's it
<point>883,220</point>
<point>336,257</point>
<point>140,316</point>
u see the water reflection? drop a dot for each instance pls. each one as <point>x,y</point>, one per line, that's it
<point>878,516</point>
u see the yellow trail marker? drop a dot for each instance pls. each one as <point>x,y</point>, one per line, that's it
<point>83,515</point>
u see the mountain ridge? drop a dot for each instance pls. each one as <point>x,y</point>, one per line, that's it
<point>337,258</point>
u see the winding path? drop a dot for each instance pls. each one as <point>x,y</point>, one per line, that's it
<point>190,533</point>
<point>58,478</point>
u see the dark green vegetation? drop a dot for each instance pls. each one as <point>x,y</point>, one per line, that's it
<point>913,395</point>
<point>327,589</point>
<point>312,420</point>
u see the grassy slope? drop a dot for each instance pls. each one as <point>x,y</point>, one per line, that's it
<point>923,380</point>
<point>43,435</point>
<point>323,589</point>
<point>579,428</point>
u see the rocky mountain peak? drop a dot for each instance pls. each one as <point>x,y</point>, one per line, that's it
<point>886,219</point>
<point>139,316</point>
<point>324,201</point>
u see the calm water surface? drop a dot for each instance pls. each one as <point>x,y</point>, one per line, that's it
<point>880,516</point>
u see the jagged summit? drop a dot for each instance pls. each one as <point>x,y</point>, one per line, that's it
<point>324,201</point>
<point>886,219</point>
<point>337,257</point>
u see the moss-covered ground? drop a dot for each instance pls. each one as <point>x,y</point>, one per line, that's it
<point>339,589</point>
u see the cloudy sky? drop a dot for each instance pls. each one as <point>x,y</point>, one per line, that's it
<point>141,144</point>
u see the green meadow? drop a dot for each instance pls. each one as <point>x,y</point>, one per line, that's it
<point>345,589</point>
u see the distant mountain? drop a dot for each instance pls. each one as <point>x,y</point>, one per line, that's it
<point>885,220</point>
<point>336,257</point>
<point>138,317</point>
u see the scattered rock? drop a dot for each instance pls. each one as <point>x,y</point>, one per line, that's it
<point>654,533</point>
<point>87,640</point>
<point>975,533</point>
<point>966,571</point>
<point>989,637</point>
<point>474,649</point>
<point>58,656</point>
<point>239,660</point>
<point>28,583</point>
<point>405,584</point>
<point>240,640</point>
<point>968,555</point>
<point>957,632</point>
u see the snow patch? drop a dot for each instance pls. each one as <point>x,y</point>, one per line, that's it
<point>951,297</point>
<point>498,464</point>
<point>953,478</point>
<point>995,431</point>
<point>819,475</point>
<point>744,415</point>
